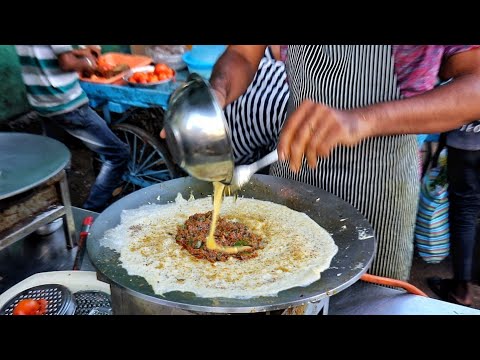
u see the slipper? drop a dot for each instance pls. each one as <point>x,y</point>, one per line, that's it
<point>442,288</point>
<point>453,299</point>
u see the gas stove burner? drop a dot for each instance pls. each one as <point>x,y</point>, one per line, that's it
<point>60,299</point>
<point>92,303</point>
<point>101,311</point>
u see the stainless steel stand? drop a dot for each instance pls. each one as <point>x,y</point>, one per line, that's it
<point>31,224</point>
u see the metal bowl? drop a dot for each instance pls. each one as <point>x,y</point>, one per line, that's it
<point>198,135</point>
<point>50,227</point>
<point>164,84</point>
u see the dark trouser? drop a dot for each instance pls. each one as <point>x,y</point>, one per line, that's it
<point>464,197</point>
<point>84,124</point>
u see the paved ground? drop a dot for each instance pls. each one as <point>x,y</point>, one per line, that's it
<point>421,271</point>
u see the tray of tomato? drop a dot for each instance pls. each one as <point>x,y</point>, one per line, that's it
<point>150,76</point>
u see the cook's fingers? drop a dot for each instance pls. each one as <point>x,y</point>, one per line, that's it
<point>163,134</point>
<point>302,138</point>
<point>289,130</point>
<point>321,135</point>
<point>311,153</point>
<point>330,141</point>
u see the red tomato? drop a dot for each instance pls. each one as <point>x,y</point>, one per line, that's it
<point>170,73</point>
<point>142,77</point>
<point>160,68</point>
<point>43,307</point>
<point>150,76</point>
<point>31,307</point>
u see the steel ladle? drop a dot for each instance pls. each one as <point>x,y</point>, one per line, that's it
<point>243,173</point>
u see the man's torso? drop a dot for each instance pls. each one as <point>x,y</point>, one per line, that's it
<point>50,90</point>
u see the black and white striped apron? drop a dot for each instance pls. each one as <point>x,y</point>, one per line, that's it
<point>256,117</point>
<point>379,176</point>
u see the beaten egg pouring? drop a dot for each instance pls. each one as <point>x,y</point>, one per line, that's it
<point>218,192</point>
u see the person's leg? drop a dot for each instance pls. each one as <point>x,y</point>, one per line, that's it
<point>464,201</point>
<point>53,130</point>
<point>86,125</point>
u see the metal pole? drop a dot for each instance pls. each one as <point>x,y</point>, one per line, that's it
<point>69,226</point>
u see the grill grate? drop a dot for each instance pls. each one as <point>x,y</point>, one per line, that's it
<point>101,311</point>
<point>60,299</point>
<point>92,303</point>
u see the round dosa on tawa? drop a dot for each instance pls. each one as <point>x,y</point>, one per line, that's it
<point>296,249</point>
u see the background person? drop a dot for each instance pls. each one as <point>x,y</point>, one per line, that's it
<point>50,74</point>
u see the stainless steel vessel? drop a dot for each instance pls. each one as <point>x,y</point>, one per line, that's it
<point>350,230</point>
<point>198,136</point>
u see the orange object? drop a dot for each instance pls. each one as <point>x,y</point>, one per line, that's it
<point>160,73</point>
<point>392,282</point>
<point>160,68</point>
<point>106,63</point>
<point>116,59</point>
<point>31,307</point>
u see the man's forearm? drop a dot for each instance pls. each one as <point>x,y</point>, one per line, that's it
<point>232,75</point>
<point>441,109</point>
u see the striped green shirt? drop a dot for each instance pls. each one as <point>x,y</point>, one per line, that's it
<point>50,90</point>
